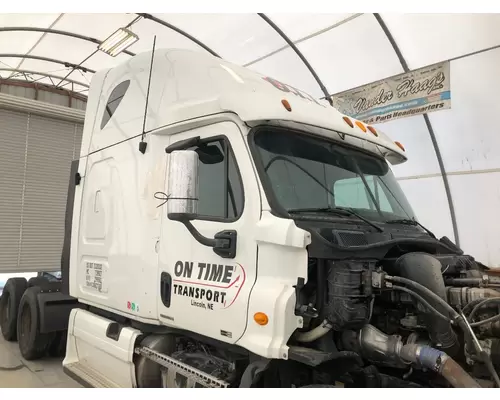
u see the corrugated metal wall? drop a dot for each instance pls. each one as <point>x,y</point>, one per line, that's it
<point>35,156</point>
<point>23,89</point>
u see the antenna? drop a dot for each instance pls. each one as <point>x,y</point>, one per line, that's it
<point>143,145</point>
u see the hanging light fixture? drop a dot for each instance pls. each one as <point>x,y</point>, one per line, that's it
<point>118,41</point>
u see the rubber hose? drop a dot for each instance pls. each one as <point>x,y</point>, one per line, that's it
<point>314,334</point>
<point>485,321</point>
<point>421,300</point>
<point>422,288</point>
<point>422,272</point>
<point>482,304</point>
<point>439,362</point>
<point>456,375</point>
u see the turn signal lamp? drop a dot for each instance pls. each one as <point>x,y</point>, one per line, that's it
<point>361,126</point>
<point>400,146</point>
<point>286,104</point>
<point>348,121</point>
<point>261,318</point>
<point>372,130</point>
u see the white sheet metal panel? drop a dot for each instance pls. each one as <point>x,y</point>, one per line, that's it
<point>36,151</point>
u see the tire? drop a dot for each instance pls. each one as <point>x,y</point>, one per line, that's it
<point>9,306</point>
<point>32,343</point>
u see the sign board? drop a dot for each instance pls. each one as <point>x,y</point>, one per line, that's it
<point>417,92</point>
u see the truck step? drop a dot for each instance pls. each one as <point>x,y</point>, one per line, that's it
<point>86,376</point>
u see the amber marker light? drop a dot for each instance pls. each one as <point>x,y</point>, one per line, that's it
<point>286,104</point>
<point>400,146</point>
<point>261,318</point>
<point>361,126</point>
<point>372,130</point>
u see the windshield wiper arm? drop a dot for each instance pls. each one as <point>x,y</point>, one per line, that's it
<point>337,210</point>
<point>413,222</point>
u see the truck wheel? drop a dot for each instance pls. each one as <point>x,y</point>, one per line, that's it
<point>32,343</point>
<point>9,305</point>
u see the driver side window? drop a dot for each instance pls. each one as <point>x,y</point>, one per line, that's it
<point>220,185</point>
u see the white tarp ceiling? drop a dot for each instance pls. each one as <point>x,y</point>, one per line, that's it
<point>346,51</point>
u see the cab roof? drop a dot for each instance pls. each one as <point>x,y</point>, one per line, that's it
<point>187,84</point>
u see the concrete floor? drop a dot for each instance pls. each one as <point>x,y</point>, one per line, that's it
<point>15,372</point>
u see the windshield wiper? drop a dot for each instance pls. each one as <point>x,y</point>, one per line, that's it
<point>412,222</point>
<point>339,211</point>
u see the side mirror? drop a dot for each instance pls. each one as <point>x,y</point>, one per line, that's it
<point>182,203</point>
<point>182,193</point>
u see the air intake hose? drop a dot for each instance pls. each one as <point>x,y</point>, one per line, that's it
<point>439,362</point>
<point>426,270</point>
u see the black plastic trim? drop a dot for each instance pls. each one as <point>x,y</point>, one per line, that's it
<point>54,309</point>
<point>68,224</point>
<point>166,288</point>
<point>113,331</point>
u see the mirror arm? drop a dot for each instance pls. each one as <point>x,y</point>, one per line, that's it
<point>224,243</point>
<point>198,236</point>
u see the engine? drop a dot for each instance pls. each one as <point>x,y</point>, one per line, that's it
<point>412,320</point>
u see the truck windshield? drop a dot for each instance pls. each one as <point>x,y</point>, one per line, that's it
<point>308,174</point>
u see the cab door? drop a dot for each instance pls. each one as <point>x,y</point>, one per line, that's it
<point>201,291</point>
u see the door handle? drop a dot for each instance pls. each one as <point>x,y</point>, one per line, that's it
<point>97,201</point>
<point>166,288</point>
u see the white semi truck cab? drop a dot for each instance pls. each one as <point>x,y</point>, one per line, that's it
<point>225,229</point>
